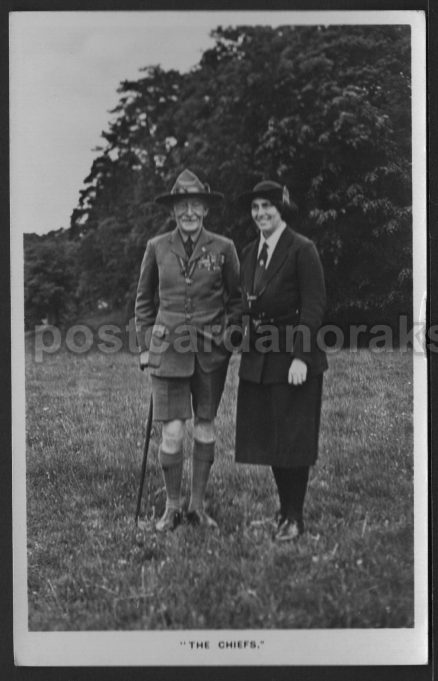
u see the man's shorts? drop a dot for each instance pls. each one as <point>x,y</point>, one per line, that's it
<point>173,397</point>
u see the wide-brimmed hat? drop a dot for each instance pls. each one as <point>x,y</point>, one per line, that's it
<point>188,184</point>
<point>267,189</point>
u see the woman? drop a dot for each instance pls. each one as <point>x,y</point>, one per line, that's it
<point>280,386</point>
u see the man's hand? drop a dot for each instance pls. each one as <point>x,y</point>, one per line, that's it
<point>297,372</point>
<point>144,359</point>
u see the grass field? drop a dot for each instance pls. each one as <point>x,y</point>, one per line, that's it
<point>353,567</point>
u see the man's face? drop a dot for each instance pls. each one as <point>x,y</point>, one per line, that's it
<point>190,214</point>
<point>265,215</point>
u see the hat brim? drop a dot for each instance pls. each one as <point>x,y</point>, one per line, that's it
<point>244,200</point>
<point>170,199</point>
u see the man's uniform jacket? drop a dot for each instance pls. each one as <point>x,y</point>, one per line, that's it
<point>289,307</point>
<point>185,306</point>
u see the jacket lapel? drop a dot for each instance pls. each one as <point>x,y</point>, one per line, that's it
<point>177,245</point>
<point>248,268</point>
<point>204,238</point>
<point>279,256</point>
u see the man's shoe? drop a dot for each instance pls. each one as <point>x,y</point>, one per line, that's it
<point>289,530</point>
<point>200,518</point>
<point>169,521</point>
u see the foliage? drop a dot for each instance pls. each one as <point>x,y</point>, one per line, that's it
<point>352,569</point>
<point>49,278</point>
<point>323,109</point>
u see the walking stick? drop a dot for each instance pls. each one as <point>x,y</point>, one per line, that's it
<point>145,456</point>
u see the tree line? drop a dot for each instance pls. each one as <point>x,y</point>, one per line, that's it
<point>325,110</point>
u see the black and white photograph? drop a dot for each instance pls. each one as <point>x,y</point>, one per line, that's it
<point>219,347</point>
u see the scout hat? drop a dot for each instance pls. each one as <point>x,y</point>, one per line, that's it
<point>267,189</point>
<point>187,183</point>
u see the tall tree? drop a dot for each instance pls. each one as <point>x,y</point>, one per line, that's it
<point>50,278</point>
<point>325,110</point>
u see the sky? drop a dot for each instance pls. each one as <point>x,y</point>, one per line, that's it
<point>65,68</point>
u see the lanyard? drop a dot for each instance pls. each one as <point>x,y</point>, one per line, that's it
<point>185,269</point>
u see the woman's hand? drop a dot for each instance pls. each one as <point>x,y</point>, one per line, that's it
<point>297,372</point>
<point>144,359</point>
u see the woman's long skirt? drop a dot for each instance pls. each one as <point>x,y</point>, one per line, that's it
<point>278,424</point>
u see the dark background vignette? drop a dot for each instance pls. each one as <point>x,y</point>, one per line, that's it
<point>406,673</point>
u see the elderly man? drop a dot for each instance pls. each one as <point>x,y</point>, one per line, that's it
<point>188,295</point>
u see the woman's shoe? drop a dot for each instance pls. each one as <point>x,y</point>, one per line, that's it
<point>279,519</point>
<point>289,530</point>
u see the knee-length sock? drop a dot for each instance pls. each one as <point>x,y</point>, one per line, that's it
<point>203,456</point>
<point>172,467</point>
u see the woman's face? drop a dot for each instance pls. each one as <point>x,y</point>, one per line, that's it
<point>265,215</point>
